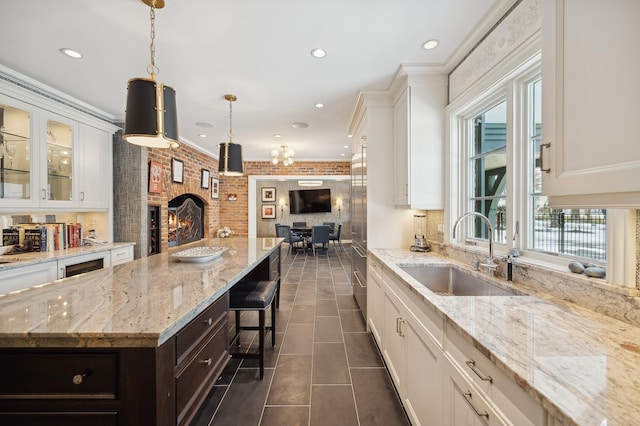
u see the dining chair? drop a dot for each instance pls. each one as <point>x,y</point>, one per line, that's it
<point>319,235</point>
<point>331,225</point>
<point>284,231</point>
<point>299,224</point>
<point>337,236</point>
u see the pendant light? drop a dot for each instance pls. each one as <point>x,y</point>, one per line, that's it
<point>230,158</point>
<point>151,118</point>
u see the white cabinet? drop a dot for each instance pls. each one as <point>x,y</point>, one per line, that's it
<point>121,255</point>
<point>95,165</point>
<point>414,359</point>
<point>590,103</point>
<point>477,380</point>
<point>27,276</point>
<point>418,141</point>
<point>375,298</point>
<point>57,158</point>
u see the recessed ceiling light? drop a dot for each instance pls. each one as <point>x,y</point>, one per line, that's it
<point>204,125</point>
<point>318,53</point>
<point>342,155</point>
<point>299,125</point>
<point>430,44</point>
<point>319,105</point>
<point>71,53</point>
<point>202,135</point>
<point>346,146</point>
<point>277,135</point>
<point>349,136</point>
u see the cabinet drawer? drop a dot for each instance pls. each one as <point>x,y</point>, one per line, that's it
<point>121,255</point>
<point>63,375</point>
<point>516,404</point>
<point>198,328</point>
<point>194,382</point>
<point>59,419</point>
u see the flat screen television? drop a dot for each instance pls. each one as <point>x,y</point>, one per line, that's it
<point>310,201</point>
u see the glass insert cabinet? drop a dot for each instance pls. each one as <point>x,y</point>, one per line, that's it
<point>36,156</point>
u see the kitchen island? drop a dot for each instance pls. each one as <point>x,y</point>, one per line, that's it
<point>138,343</point>
<point>519,359</point>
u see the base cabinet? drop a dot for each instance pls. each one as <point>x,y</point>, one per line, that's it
<point>441,377</point>
<point>28,276</point>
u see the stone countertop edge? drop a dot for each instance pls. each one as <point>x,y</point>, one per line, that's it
<point>138,304</point>
<point>19,260</point>
<point>541,343</point>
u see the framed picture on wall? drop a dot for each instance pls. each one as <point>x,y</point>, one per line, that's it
<point>155,177</point>
<point>177,171</point>
<point>268,211</point>
<point>205,176</point>
<point>268,194</point>
<point>215,188</point>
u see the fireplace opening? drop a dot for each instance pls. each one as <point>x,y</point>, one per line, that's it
<point>186,219</point>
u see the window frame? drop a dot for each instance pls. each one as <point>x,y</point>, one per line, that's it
<point>512,84</point>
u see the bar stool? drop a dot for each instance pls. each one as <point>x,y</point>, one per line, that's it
<point>254,296</point>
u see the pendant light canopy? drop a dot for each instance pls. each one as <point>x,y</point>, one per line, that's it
<point>151,117</point>
<point>230,158</point>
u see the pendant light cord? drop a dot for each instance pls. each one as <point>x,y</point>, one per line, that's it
<point>230,121</point>
<point>152,69</point>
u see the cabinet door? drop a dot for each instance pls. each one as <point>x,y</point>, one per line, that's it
<point>393,345</point>
<point>590,103</point>
<point>375,300</point>
<point>58,167</point>
<point>16,153</point>
<point>94,168</point>
<point>401,135</point>
<point>424,382</point>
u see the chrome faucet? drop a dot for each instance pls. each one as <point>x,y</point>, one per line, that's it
<point>490,264</point>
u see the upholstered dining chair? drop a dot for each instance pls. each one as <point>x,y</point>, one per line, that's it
<point>299,224</point>
<point>337,236</point>
<point>319,235</point>
<point>331,225</point>
<point>284,231</point>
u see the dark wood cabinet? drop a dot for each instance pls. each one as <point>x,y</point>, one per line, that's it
<point>162,385</point>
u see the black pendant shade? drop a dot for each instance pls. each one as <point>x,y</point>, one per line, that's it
<point>230,159</point>
<point>151,117</point>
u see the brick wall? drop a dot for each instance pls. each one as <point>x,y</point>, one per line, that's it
<point>234,214</point>
<point>194,161</point>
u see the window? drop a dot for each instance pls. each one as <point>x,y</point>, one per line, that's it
<point>489,170</point>
<point>500,136</point>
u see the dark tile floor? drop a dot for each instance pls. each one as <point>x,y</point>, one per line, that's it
<point>325,368</point>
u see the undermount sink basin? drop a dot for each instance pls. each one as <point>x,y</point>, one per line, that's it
<point>448,281</point>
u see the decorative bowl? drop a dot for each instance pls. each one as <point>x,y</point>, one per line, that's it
<point>199,254</point>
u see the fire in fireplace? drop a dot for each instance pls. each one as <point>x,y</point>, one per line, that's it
<point>186,219</point>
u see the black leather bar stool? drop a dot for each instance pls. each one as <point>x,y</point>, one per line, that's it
<point>254,296</point>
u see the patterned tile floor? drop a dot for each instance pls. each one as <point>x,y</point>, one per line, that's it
<point>325,368</point>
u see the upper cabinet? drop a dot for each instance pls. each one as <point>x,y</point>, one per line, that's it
<point>52,159</point>
<point>590,154</point>
<point>418,139</point>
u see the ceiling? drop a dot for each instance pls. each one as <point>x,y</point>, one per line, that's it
<point>256,50</point>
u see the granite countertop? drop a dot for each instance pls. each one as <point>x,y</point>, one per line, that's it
<point>140,303</point>
<point>582,366</point>
<point>19,260</point>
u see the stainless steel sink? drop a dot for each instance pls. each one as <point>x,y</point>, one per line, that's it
<point>448,281</point>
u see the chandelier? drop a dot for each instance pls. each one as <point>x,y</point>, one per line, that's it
<point>283,155</point>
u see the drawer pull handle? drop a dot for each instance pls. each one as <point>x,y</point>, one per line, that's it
<point>467,397</point>
<point>472,365</point>
<point>542,168</point>
<point>78,378</point>
<point>207,362</point>
<point>208,321</point>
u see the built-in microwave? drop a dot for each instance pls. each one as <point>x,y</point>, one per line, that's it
<point>70,266</point>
